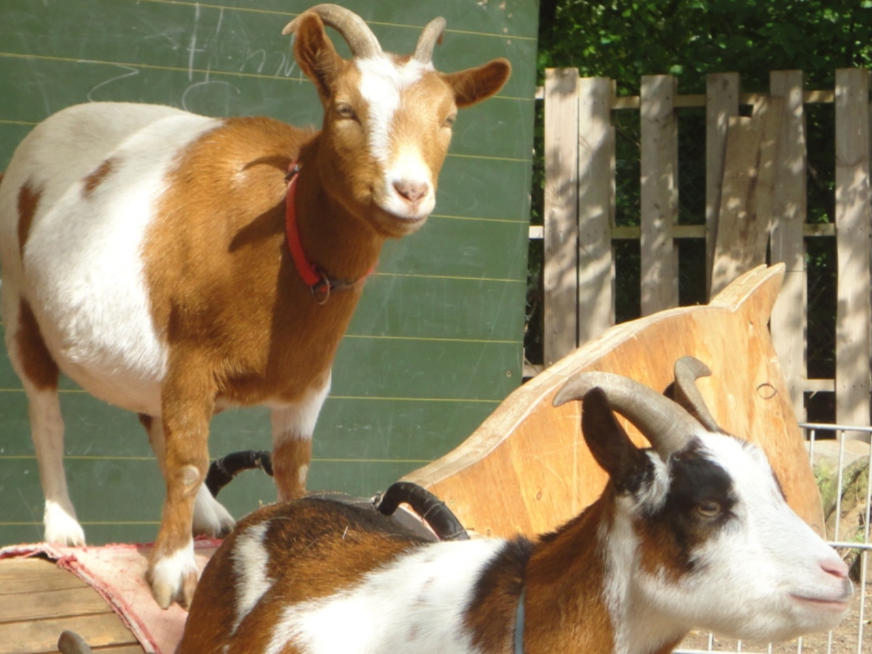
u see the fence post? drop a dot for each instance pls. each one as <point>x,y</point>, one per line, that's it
<point>596,208</point>
<point>659,197</point>
<point>790,314</point>
<point>721,103</point>
<point>854,243</point>
<point>560,272</point>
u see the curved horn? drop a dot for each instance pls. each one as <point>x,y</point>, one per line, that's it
<point>71,643</point>
<point>431,35</point>
<point>352,27</point>
<point>687,371</point>
<point>666,425</point>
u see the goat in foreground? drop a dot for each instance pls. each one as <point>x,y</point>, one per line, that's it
<point>693,533</point>
<point>147,253</point>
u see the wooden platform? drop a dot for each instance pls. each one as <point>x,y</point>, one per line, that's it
<point>38,601</point>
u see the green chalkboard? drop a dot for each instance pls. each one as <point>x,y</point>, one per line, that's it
<point>436,342</point>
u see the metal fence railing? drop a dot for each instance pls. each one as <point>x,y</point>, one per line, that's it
<point>854,634</point>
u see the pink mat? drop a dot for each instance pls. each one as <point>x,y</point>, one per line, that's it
<point>117,572</point>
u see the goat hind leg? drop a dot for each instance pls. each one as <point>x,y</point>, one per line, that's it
<point>39,375</point>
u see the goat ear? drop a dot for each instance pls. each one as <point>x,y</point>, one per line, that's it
<point>315,53</point>
<point>476,84</point>
<point>609,443</point>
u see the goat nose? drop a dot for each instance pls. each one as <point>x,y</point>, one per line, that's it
<point>835,567</point>
<point>411,190</point>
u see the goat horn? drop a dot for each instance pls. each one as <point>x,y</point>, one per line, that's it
<point>71,643</point>
<point>667,426</point>
<point>687,371</point>
<point>352,27</point>
<point>431,35</point>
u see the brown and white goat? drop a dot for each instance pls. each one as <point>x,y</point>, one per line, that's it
<point>694,533</point>
<point>145,254</point>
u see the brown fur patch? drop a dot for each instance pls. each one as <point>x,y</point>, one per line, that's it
<point>28,203</point>
<point>316,549</point>
<point>224,292</point>
<point>566,609</point>
<point>288,460</point>
<point>39,366</point>
<point>92,181</point>
<point>490,615</point>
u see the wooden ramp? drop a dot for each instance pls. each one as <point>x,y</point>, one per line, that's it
<point>39,600</point>
<point>527,468</point>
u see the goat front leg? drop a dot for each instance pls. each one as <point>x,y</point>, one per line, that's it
<point>210,517</point>
<point>292,428</point>
<point>187,402</point>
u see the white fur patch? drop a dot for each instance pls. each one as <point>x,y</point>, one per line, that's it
<point>85,272</point>
<point>169,572</point>
<point>61,525</point>
<point>250,561</point>
<point>381,84</point>
<point>414,604</point>
<point>210,516</point>
<point>297,420</point>
<point>746,575</point>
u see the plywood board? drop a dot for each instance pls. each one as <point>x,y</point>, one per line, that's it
<point>527,468</point>
<point>747,192</point>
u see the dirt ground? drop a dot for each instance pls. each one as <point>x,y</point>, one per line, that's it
<point>844,638</point>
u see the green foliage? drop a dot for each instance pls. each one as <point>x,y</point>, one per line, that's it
<point>690,38</point>
<point>625,39</point>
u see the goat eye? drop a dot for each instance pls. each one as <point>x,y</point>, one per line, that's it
<point>449,122</point>
<point>708,509</point>
<point>346,111</point>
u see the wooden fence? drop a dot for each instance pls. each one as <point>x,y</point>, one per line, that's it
<point>755,198</point>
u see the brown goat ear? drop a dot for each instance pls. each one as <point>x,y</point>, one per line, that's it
<point>608,442</point>
<point>476,84</point>
<point>315,53</point>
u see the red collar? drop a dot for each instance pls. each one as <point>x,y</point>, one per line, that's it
<point>311,273</point>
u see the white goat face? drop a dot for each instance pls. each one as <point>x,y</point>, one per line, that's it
<point>721,549</point>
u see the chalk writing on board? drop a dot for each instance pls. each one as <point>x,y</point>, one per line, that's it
<point>130,72</point>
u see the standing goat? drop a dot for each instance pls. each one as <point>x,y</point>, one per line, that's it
<point>148,254</point>
<point>693,533</point>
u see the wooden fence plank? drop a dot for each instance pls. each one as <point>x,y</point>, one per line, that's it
<point>560,276</point>
<point>722,102</point>
<point>659,196</point>
<point>853,340</point>
<point>736,207</point>
<point>789,317</point>
<point>596,208</point>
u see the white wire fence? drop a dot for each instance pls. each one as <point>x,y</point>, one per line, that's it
<point>847,530</point>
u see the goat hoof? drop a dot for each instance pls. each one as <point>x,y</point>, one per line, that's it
<point>173,579</point>
<point>62,527</point>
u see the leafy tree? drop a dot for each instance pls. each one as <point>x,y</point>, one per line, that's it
<point>625,39</point>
